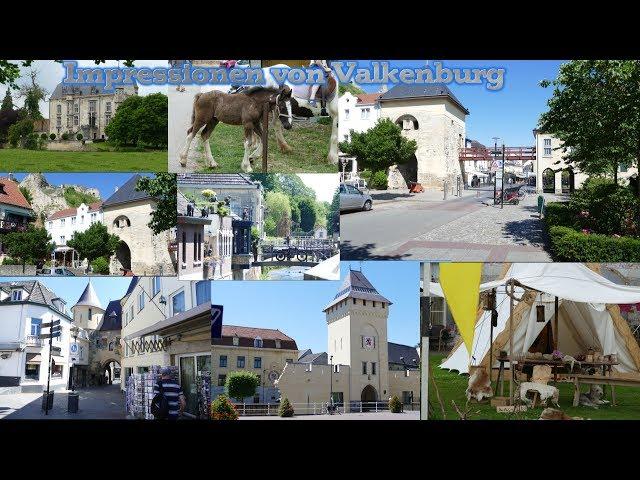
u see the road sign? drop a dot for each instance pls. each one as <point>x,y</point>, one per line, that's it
<point>216,321</point>
<point>55,323</point>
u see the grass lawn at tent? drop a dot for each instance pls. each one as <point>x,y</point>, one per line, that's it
<point>22,160</point>
<point>584,316</point>
<point>452,386</point>
<point>309,143</point>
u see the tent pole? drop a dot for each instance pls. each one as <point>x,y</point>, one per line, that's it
<point>555,325</point>
<point>511,371</point>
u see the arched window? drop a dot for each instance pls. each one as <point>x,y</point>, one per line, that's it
<point>121,222</point>
<point>257,342</point>
<point>407,122</point>
<point>548,180</point>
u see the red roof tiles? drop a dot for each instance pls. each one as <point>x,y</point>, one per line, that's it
<point>368,98</point>
<point>10,194</point>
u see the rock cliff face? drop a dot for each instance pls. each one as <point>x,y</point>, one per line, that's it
<point>46,198</point>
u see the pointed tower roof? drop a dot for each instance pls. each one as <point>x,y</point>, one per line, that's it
<point>89,298</point>
<point>356,285</point>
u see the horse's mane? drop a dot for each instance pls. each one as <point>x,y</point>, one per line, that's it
<point>259,89</point>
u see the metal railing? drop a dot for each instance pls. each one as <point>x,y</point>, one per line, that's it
<point>319,408</point>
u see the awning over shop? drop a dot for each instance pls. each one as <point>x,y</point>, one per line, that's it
<point>34,358</point>
<point>59,360</point>
<point>196,318</point>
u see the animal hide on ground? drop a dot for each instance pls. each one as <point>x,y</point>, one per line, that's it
<point>546,392</point>
<point>479,385</point>
<point>541,374</point>
<point>555,414</point>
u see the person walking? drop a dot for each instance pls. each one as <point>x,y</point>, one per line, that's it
<point>172,392</point>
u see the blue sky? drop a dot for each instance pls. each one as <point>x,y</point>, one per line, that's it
<point>510,113</point>
<point>295,308</point>
<point>70,289</point>
<point>104,182</point>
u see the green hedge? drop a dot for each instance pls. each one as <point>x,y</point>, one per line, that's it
<point>559,214</point>
<point>569,245</point>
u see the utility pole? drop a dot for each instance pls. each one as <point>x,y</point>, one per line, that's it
<point>425,311</point>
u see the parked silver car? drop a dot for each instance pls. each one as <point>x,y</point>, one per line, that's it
<point>57,271</point>
<point>352,198</point>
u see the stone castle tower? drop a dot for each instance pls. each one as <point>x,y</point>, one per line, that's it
<point>357,324</point>
<point>102,327</point>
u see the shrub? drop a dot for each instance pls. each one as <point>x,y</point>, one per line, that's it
<point>43,136</point>
<point>223,409</point>
<point>378,181</point>
<point>286,409</point>
<point>559,214</point>
<point>325,120</point>
<point>395,405</point>
<point>241,384</point>
<point>100,266</point>
<point>11,261</point>
<point>569,245</point>
<point>79,137</point>
<point>65,136</point>
<point>52,136</point>
<point>32,142</point>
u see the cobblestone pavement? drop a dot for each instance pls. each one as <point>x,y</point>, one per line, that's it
<point>105,402</point>
<point>470,228</point>
<point>415,415</point>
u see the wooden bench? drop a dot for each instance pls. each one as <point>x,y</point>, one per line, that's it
<point>600,380</point>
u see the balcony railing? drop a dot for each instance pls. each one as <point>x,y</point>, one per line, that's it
<point>13,226</point>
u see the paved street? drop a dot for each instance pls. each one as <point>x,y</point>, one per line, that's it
<point>415,415</point>
<point>426,227</point>
<point>105,402</point>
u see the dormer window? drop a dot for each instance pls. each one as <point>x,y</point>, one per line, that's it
<point>236,341</point>
<point>257,342</point>
<point>16,295</point>
<point>278,344</point>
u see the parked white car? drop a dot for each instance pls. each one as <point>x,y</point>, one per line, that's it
<point>351,198</point>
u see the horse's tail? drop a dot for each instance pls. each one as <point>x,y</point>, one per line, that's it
<point>193,111</point>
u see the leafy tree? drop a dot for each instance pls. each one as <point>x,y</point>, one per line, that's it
<point>26,194</point>
<point>94,242</point>
<point>595,111</point>
<point>333,215</point>
<point>295,213</point>
<point>7,101</point>
<point>307,208</point>
<point>100,266</point>
<point>395,405</point>
<point>19,132</point>
<point>270,182</point>
<point>140,120</point>
<point>293,186</point>
<point>278,214</point>
<point>349,87</point>
<point>380,147</point>
<point>29,246</point>
<point>241,384</point>
<point>10,71</point>
<point>164,189</point>
<point>152,120</point>
<point>286,409</point>
<point>322,209</point>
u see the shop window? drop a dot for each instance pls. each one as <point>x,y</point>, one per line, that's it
<point>32,371</point>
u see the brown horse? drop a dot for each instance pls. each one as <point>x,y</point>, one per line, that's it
<point>243,109</point>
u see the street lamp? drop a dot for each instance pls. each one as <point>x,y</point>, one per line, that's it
<point>264,373</point>
<point>495,158</point>
<point>74,333</point>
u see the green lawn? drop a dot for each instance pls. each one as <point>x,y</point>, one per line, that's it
<point>310,144</point>
<point>21,160</point>
<point>452,387</point>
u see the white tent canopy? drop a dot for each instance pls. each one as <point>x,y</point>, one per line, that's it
<point>583,319</point>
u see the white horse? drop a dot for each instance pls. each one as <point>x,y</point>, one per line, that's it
<point>304,101</point>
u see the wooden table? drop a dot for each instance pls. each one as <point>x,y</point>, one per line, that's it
<point>579,379</point>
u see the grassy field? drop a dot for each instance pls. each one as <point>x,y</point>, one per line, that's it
<point>310,144</point>
<point>452,387</point>
<point>21,160</point>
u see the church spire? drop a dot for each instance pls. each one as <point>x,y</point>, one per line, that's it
<point>89,298</point>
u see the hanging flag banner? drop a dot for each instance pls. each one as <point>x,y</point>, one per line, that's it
<point>216,321</point>
<point>461,286</point>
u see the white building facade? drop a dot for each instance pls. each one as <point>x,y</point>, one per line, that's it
<point>24,307</point>
<point>358,113</point>
<point>63,225</point>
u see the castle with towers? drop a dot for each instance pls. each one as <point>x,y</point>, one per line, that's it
<point>361,367</point>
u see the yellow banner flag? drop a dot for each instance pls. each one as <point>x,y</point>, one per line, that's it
<point>461,286</point>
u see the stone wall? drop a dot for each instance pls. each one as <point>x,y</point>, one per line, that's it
<point>68,146</point>
<point>16,270</point>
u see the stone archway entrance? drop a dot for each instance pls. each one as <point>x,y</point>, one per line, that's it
<point>548,181</point>
<point>568,180</point>
<point>110,372</point>
<point>123,255</point>
<point>368,396</point>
